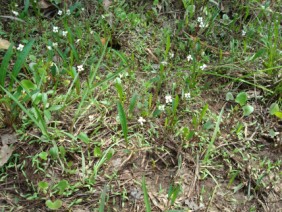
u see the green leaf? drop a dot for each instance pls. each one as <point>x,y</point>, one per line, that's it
<point>146,196</point>
<point>274,108</point>
<point>4,65</point>
<point>241,98</point>
<point>43,155</point>
<point>83,136</point>
<point>21,60</point>
<point>247,110</point>
<point>62,186</point>
<point>97,152</point>
<point>43,185</point>
<point>122,119</point>
<point>278,114</point>
<point>54,152</point>
<point>28,85</point>
<point>132,104</point>
<point>229,97</point>
<point>54,205</point>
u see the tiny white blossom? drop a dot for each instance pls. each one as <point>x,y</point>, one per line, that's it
<point>15,13</point>
<point>141,120</point>
<point>91,117</point>
<point>171,55</point>
<point>16,5</point>
<point>200,19</point>
<point>20,47</point>
<point>189,57</point>
<point>68,12</point>
<point>202,25</point>
<point>203,67</point>
<point>49,47</point>
<point>187,95</point>
<point>243,32</point>
<point>168,99</point>
<point>161,107</point>
<point>77,41</point>
<point>91,32</point>
<point>60,12</point>
<point>80,68</point>
<point>82,9</point>
<point>55,45</point>
<point>64,33</point>
<point>55,29</point>
<point>103,17</point>
<point>164,63</point>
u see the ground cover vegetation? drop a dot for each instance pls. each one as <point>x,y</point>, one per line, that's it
<point>163,105</point>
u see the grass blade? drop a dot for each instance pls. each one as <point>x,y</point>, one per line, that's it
<point>4,65</point>
<point>146,196</point>
<point>122,119</point>
<point>20,61</point>
<point>102,200</point>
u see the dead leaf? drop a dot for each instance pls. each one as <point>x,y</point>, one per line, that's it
<point>107,4</point>
<point>43,4</point>
<point>8,138</point>
<point>4,44</point>
<point>5,154</point>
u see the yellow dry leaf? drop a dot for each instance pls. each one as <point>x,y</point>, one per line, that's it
<point>4,44</point>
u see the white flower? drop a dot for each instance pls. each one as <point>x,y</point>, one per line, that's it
<point>164,63</point>
<point>187,95</point>
<point>91,32</point>
<point>203,67</point>
<point>55,45</point>
<point>55,29</point>
<point>82,9</point>
<point>141,120</point>
<point>77,41</point>
<point>64,33</point>
<point>202,25</point>
<point>91,117</point>
<point>16,5</point>
<point>171,55</point>
<point>15,13</point>
<point>49,47</point>
<point>60,12</point>
<point>80,68</point>
<point>189,57</point>
<point>168,99</point>
<point>243,32</point>
<point>200,19</point>
<point>68,12</point>
<point>161,107</point>
<point>20,47</point>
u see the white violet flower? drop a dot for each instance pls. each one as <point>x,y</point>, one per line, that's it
<point>64,33</point>
<point>68,12</point>
<point>168,99</point>
<point>202,25</point>
<point>80,68</point>
<point>243,32</point>
<point>161,107</point>
<point>15,13</point>
<point>200,19</point>
<point>164,63</point>
<point>20,47</point>
<point>203,67</point>
<point>60,12</point>
<point>55,45</point>
<point>141,120</point>
<point>171,55</point>
<point>49,47</point>
<point>55,29</point>
<point>189,57</point>
<point>187,95</point>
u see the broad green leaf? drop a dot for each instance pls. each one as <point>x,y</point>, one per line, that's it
<point>123,120</point>
<point>21,60</point>
<point>4,65</point>
<point>247,110</point>
<point>43,185</point>
<point>28,85</point>
<point>274,108</point>
<point>54,205</point>
<point>278,114</point>
<point>241,98</point>
<point>229,96</point>
<point>97,152</point>
<point>62,186</point>
<point>54,152</point>
<point>83,136</point>
<point>43,155</point>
